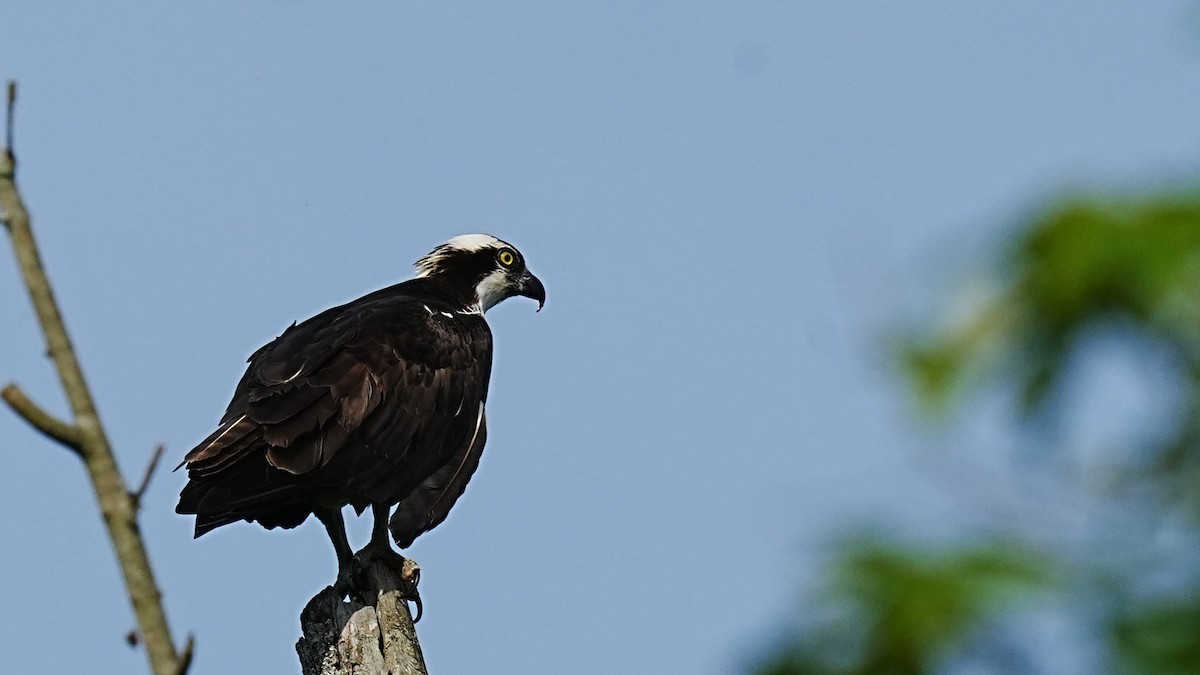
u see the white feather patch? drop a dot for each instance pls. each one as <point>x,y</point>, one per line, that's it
<point>492,289</point>
<point>473,242</point>
<point>463,243</point>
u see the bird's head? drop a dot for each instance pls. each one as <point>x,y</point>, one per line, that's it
<point>481,269</point>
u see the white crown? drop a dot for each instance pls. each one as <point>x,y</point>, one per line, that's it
<point>463,243</point>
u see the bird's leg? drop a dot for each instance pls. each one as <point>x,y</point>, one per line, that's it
<point>379,529</point>
<point>380,549</point>
<point>335,525</point>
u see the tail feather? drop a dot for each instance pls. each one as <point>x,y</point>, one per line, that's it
<point>239,494</point>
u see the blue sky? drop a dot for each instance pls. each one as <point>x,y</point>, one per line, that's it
<point>733,205</point>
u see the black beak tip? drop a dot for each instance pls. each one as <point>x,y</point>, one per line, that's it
<point>531,287</point>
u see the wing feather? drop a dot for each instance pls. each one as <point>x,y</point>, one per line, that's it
<point>429,504</point>
<point>364,403</point>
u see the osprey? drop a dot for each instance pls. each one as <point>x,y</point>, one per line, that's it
<point>378,402</point>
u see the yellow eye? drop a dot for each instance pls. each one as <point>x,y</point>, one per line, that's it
<point>507,258</point>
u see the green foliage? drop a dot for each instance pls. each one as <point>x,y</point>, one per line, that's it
<point>1132,263</point>
<point>1128,265</point>
<point>1159,638</point>
<point>899,610</point>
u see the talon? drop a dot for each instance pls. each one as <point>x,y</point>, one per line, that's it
<point>354,581</point>
<point>410,574</point>
<point>416,601</point>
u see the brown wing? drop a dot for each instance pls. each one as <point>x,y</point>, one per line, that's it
<point>360,404</point>
<point>428,505</point>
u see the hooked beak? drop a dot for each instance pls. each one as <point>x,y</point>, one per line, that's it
<point>531,287</point>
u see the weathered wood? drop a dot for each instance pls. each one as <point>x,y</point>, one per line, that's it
<point>348,637</point>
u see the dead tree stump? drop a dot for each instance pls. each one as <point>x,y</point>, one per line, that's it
<point>348,637</point>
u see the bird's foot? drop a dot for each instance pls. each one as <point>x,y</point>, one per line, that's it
<point>355,581</point>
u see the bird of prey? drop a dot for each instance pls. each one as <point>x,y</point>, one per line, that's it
<point>378,402</point>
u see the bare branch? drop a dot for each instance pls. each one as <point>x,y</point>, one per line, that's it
<point>66,434</point>
<point>136,495</point>
<point>185,656</point>
<point>112,494</point>
<point>8,116</point>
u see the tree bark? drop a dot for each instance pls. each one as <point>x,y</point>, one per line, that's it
<point>348,637</point>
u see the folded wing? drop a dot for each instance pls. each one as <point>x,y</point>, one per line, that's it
<point>362,404</point>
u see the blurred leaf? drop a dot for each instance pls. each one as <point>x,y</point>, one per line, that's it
<point>1129,264</point>
<point>1160,638</point>
<point>903,611</point>
<point>942,364</point>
